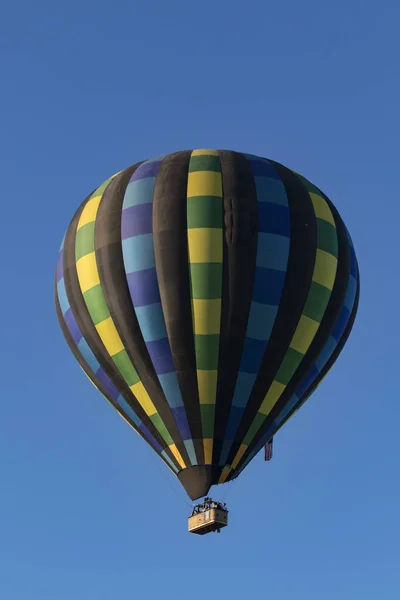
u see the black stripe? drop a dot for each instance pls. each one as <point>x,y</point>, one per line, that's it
<point>302,253</point>
<point>90,334</point>
<point>110,263</point>
<point>172,266</point>
<point>239,261</point>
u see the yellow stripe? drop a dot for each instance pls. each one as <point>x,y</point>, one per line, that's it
<point>87,272</point>
<point>239,455</point>
<point>109,336</point>
<point>204,183</point>
<point>304,334</point>
<point>205,245</point>
<point>321,208</point>
<point>225,472</point>
<point>143,398</point>
<point>89,212</point>
<point>206,316</point>
<point>272,396</point>
<point>177,455</point>
<point>325,269</point>
<point>202,152</point>
<point>208,450</point>
<point>207,385</point>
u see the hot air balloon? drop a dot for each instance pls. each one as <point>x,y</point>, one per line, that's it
<point>206,294</point>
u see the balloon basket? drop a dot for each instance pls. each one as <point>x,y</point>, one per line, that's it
<point>208,517</point>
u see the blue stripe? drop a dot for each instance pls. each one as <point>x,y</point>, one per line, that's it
<point>269,279</point>
<point>143,287</point>
<point>268,286</point>
<point>261,320</point>
<point>290,405</point>
<point>72,326</point>
<point>138,253</point>
<point>180,417</point>
<point>151,322</point>
<point>107,383</point>
<point>244,385</point>
<point>270,190</point>
<point>325,354</point>
<point>169,461</point>
<point>262,166</point>
<point>88,355</point>
<point>273,251</point>
<point>191,451</point>
<point>62,243</point>
<point>62,296</point>
<point>341,323</point>
<point>273,218</point>
<point>225,452</point>
<point>235,417</point>
<point>128,410</point>
<point>353,264</point>
<point>146,170</point>
<point>307,381</point>
<point>59,266</point>
<point>139,192</point>
<point>137,220</point>
<point>161,356</point>
<point>150,437</point>
<point>252,355</point>
<point>171,389</point>
<point>139,263</point>
<point>351,294</point>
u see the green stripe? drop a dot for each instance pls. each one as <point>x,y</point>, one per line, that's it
<point>288,366</point>
<point>125,367</point>
<point>159,425</point>
<point>206,280</point>
<point>317,301</point>
<point>327,237</point>
<point>207,348</point>
<point>207,412</point>
<point>204,211</point>
<point>95,299</point>
<point>311,188</point>
<point>84,242</point>
<point>204,162</point>
<point>102,188</point>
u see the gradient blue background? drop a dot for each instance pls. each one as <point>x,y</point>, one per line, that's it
<point>87,88</point>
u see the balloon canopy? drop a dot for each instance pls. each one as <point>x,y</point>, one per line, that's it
<point>206,294</point>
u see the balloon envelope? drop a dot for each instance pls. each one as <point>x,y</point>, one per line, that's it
<point>206,294</point>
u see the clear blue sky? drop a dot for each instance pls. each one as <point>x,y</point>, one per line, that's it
<point>88,88</point>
